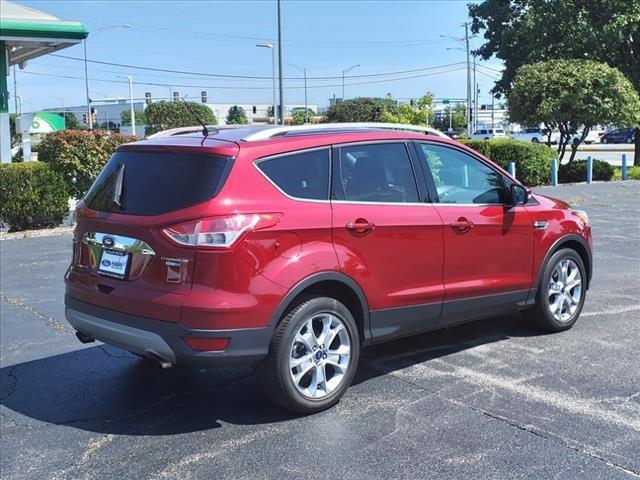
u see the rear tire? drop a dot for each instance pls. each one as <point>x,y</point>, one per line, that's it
<point>313,356</point>
<point>561,292</point>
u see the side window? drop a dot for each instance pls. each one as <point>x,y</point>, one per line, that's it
<point>378,172</point>
<point>300,175</point>
<point>461,178</point>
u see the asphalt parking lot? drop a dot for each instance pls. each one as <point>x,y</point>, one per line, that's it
<point>490,400</point>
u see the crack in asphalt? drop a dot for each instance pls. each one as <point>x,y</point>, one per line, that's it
<point>13,386</point>
<point>50,321</point>
<point>576,446</point>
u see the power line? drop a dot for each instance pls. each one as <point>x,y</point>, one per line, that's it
<point>251,77</point>
<point>229,87</point>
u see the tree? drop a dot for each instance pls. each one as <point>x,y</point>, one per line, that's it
<point>362,110</point>
<point>298,116</point>
<point>416,112</point>
<point>237,116</point>
<point>569,95</point>
<point>71,122</point>
<point>141,117</point>
<point>521,32</point>
<point>458,118</point>
<point>165,115</point>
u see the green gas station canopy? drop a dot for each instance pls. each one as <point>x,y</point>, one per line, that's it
<point>28,33</point>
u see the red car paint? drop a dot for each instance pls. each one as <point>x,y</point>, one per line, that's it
<point>414,254</point>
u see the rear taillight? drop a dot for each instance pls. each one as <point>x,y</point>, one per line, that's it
<point>219,232</point>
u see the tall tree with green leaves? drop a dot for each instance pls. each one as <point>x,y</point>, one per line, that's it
<point>417,112</point>
<point>165,115</point>
<point>521,32</point>
<point>237,116</point>
<point>362,110</point>
<point>569,95</point>
<point>141,117</point>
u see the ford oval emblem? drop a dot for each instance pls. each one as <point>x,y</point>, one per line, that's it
<point>108,241</point>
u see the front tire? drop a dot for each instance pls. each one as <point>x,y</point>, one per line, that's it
<point>561,292</point>
<point>313,356</point>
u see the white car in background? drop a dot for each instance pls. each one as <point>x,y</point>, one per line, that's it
<point>535,135</point>
<point>489,133</point>
<point>592,137</point>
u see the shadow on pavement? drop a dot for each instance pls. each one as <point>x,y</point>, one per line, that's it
<point>104,389</point>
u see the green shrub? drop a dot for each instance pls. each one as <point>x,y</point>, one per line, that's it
<point>576,171</point>
<point>79,155</point>
<point>633,173</point>
<point>533,161</point>
<point>31,196</point>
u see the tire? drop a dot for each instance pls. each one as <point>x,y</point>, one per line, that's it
<point>629,140</point>
<point>535,140</point>
<point>276,372</point>
<point>541,314</point>
<point>604,140</point>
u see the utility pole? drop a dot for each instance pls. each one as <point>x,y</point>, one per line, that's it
<point>280,87</point>
<point>466,41</point>
<point>475,97</point>
<point>86,84</point>
<point>306,106</point>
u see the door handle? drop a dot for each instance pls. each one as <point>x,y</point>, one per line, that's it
<point>360,226</point>
<point>462,225</point>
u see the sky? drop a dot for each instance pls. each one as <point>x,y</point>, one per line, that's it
<point>205,38</point>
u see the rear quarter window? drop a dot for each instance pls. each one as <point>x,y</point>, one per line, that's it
<point>303,175</point>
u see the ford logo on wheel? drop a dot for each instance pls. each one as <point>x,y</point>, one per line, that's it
<point>108,241</point>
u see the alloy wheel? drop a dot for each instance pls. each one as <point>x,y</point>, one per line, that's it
<point>565,290</point>
<point>320,355</point>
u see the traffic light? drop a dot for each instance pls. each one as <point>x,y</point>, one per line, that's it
<point>203,96</point>
<point>176,96</point>
<point>94,115</point>
<point>147,98</point>
<point>85,120</point>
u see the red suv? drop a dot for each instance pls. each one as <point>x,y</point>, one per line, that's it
<point>291,248</point>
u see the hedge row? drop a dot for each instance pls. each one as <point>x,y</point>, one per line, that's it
<point>36,194</point>
<point>533,161</point>
<point>576,171</point>
<point>31,196</point>
<point>79,155</point>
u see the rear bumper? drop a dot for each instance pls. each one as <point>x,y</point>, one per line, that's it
<point>163,340</point>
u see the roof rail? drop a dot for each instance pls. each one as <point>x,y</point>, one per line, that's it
<point>270,132</point>
<point>193,129</point>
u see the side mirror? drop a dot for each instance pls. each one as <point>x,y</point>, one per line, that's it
<point>518,195</point>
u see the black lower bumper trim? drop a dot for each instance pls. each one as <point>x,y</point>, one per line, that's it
<point>246,346</point>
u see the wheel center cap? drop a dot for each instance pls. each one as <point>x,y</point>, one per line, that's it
<point>318,355</point>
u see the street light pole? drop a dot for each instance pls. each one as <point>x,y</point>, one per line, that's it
<point>280,87</point>
<point>273,69</point>
<point>345,71</point>
<point>306,106</point>
<point>86,68</point>
<point>132,113</point>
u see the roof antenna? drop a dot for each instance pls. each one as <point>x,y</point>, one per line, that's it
<point>205,130</point>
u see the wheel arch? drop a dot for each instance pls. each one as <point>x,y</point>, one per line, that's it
<point>331,284</point>
<point>576,243</point>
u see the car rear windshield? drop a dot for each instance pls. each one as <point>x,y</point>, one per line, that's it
<point>153,183</point>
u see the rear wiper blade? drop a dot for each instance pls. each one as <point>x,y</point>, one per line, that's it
<point>117,188</point>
